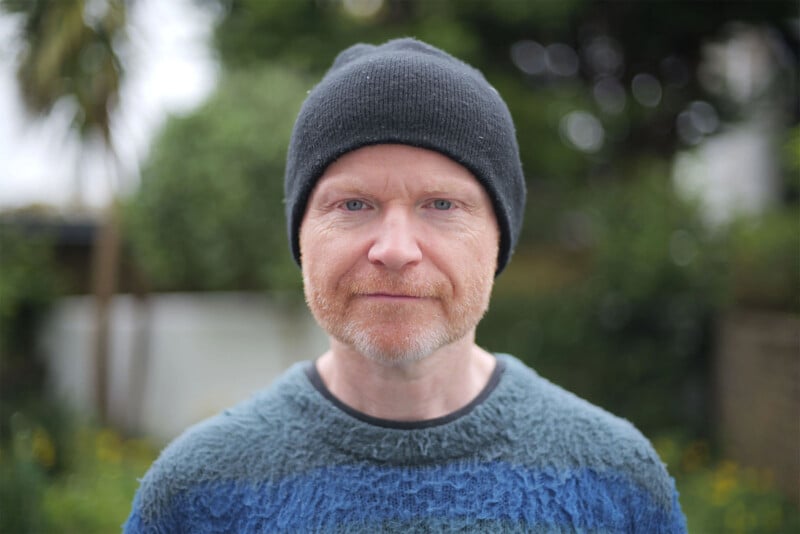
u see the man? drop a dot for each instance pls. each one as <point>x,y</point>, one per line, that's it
<point>404,200</point>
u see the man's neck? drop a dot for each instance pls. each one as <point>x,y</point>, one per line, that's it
<point>432,387</point>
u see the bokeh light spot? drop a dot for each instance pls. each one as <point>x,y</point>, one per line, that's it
<point>604,55</point>
<point>609,95</point>
<point>561,60</point>
<point>704,117</point>
<point>646,90</point>
<point>362,9</point>
<point>583,131</point>
<point>529,57</point>
<point>696,121</point>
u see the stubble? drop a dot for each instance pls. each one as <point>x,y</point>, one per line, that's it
<point>402,332</point>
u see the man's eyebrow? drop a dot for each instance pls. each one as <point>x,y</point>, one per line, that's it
<point>456,189</point>
<point>326,191</point>
<point>341,184</point>
<point>452,190</point>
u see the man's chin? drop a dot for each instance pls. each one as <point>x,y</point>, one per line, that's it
<point>397,349</point>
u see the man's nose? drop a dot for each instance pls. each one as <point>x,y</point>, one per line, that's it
<point>395,245</point>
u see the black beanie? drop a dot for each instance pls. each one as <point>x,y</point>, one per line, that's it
<point>407,92</point>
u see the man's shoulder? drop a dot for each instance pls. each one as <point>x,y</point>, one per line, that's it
<point>565,431</point>
<point>241,442</point>
<point>549,405</point>
<point>270,414</point>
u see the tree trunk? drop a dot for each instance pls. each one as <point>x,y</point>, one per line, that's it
<point>105,268</point>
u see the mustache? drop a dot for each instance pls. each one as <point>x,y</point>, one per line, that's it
<point>372,284</point>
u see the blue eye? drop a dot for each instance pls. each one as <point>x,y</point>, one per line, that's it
<point>441,204</point>
<point>354,205</point>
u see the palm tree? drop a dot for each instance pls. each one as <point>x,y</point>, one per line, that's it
<point>68,54</point>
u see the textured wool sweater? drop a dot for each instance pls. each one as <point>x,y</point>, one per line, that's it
<point>524,456</point>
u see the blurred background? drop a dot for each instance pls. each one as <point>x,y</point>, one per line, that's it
<point>146,282</point>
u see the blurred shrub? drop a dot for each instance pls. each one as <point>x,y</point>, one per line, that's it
<point>52,478</point>
<point>34,450</point>
<point>791,159</point>
<point>93,495</point>
<point>765,261</point>
<point>96,496</point>
<point>28,284</point>
<point>718,495</point>
<point>209,213</point>
<point>765,249</point>
<point>23,463</point>
<point>622,311</point>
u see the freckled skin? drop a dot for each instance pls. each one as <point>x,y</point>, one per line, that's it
<point>399,248</point>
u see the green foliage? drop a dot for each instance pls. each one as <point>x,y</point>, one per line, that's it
<point>625,321</point>
<point>719,495</point>
<point>69,55</point>
<point>28,284</point>
<point>96,495</point>
<point>23,462</point>
<point>92,495</point>
<point>30,428</point>
<point>309,34</point>
<point>650,243</point>
<point>766,261</point>
<point>660,38</point>
<point>791,156</point>
<point>209,212</point>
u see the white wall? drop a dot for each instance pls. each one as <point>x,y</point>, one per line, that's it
<point>196,354</point>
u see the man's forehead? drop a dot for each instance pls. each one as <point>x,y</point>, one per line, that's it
<point>349,181</point>
<point>388,165</point>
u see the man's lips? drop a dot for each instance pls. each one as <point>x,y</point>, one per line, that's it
<point>392,296</point>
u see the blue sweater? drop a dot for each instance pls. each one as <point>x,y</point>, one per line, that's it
<point>525,456</point>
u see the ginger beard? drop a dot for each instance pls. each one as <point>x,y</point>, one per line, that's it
<point>401,332</point>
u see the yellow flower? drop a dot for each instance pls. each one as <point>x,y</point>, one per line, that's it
<point>724,481</point>
<point>42,448</point>
<point>695,457</point>
<point>108,446</point>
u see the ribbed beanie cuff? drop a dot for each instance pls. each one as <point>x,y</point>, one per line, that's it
<point>407,92</point>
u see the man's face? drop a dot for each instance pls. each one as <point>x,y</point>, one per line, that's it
<point>399,249</point>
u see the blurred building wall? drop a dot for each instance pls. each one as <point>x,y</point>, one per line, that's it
<point>176,358</point>
<point>757,375</point>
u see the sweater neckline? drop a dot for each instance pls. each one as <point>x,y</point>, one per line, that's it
<point>494,379</point>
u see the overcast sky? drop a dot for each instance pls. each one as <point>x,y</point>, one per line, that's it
<point>169,69</point>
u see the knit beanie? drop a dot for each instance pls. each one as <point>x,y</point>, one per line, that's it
<point>407,92</point>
